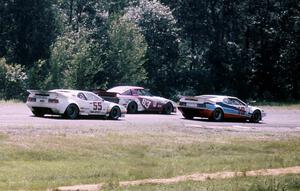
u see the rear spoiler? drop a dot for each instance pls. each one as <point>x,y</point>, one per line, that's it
<point>191,98</point>
<point>194,98</point>
<point>42,92</point>
<point>104,93</point>
<point>38,91</point>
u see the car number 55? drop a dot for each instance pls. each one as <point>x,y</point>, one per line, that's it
<point>97,106</point>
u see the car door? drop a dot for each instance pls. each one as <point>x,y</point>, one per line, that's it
<point>240,107</point>
<point>96,105</point>
<point>145,99</point>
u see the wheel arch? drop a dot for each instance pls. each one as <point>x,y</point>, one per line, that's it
<point>135,103</point>
<point>71,103</point>
<point>166,104</point>
<point>260,113</point>
<point>218,107</point>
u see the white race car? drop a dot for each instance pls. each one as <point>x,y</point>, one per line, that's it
<point>71,104</point>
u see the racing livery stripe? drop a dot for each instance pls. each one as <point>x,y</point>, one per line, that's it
<point>228,115</point>
<point>228,106</point>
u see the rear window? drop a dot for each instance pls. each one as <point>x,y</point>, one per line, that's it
<point>81,96</point>
<point>92,97</point>
<point>128,92</point>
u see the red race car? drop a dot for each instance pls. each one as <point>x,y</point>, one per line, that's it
<point>138,99</point>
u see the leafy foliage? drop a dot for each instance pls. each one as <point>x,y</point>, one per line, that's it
<point>158,25</point>
<point>173,47</point>
<point>29,29</point>
<point>12,80</point>
<point>126,55</point>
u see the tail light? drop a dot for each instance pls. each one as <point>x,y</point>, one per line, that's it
<point>53,101</point>
<point>31,99</point>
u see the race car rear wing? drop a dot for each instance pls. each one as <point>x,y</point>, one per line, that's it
<point>108,96</point>
<point>43,93</point>
<point>195,98</point>
<point>102,93</point>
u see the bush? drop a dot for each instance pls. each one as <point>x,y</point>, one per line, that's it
<point>13,81</point>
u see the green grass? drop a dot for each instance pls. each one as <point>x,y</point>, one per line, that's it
<point>288,104</point>
<point>11,101</point>
<point>282,183</point>
<point>38,163</point>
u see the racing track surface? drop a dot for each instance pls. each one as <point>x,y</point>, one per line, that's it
<point>17,119</point>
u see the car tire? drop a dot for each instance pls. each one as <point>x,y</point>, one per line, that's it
<point>255,117</point>
<point>38,113</point>
<point>132,108</point>
<point>167,109</point>
<point>217,115</point>
<point>115,113</point>
<point>72,112</point>
<point>187,115</point>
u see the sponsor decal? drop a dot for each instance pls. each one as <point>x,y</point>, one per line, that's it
<point>242,110</point>
<point>95,112</point>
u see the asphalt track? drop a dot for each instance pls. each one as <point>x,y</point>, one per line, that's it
<point>17,119</point>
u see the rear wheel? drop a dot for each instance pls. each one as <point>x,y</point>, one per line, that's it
<point>256,116</point>
<point>38,113</point>
<point>115,113</point>
<point>72,112</point>
<point>168,108</point>
<point>132,108</point>
<point>217,115</point>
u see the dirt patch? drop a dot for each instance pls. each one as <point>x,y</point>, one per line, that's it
<point>192,177</point>
<point>90,187</point>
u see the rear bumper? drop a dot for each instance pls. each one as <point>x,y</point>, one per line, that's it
<point>201,112</point>
<point>46,109</point>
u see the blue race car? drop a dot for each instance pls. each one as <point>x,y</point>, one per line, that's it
<point>218,108</point>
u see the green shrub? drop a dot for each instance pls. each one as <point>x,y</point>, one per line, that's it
<point>13,81</point>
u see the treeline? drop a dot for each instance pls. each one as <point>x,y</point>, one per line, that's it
<point>250,49</point>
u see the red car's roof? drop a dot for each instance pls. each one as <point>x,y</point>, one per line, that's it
<point>122,89</point>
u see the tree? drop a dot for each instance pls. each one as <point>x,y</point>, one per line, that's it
<point>29,28</point>
<point>126,55</point>
<point>73,64</point>
<point>158,25</point>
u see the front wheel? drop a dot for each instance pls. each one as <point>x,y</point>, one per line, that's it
<point>72,112</point>
<point>115,113</point>
<point>256,116</point>
<point>217,115</point>
<point>168,108</point>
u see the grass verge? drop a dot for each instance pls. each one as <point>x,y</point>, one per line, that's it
<point>281,183</point>
<point>12,101</point>
<point>292,104</point>
<point>39,163</point>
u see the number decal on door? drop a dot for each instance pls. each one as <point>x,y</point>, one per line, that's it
<point>146,103</point>
<point>97,106</point>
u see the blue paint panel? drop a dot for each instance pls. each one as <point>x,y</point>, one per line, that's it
<point>229,109</point>
<point>210,106</point>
